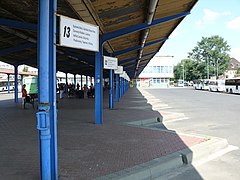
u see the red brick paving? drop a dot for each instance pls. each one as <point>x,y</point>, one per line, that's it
<point>86,150</point>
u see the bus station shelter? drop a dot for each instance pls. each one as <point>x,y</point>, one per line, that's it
<point>133,31</point>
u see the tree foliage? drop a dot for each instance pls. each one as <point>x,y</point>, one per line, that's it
<point>25,69</point>
<point>192,70</point>
<point>212,51</point>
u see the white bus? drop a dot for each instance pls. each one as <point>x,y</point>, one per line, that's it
<point>4,85</point>
<point>180,83</point>
<point>216,85</point>
<point>201,84</point>
<point>232,85</point>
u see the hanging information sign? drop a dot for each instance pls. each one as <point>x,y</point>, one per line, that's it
<point>78,34</point>
<point>110,62</point>
<point>119,70</point>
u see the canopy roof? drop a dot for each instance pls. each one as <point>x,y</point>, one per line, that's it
<point>134,50</point>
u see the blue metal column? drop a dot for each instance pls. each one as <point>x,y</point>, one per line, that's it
<point>98,85</point>
<point>111,91</point>
<point>66,85</point>
<point>16,83</point>
<point>43,124</point>
<point>52,89</point>
<point>124,86</point>
<point>120,89</point>
<point>8,78</point>
<point>75,81</point>
<point>117,88</point>
<point>81,82</point>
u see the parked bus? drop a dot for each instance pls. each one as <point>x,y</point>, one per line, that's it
<point>216,85</point>
<point>4,85</point>
<point>201,84</point>
<point>180,83</point>
<point>31,83</point>
<point>232,85</point>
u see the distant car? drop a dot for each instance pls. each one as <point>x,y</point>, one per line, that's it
<point>180,83</point>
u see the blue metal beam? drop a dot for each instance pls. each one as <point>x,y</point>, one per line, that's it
<point>117,88</point>
<point>139,27</point>
<point>16,83</point>
<point>117,53</point>
<point>83,57</point>
<point>43,119</point>
<point>111,91</point>
<point>18,24</point>
<point>125,61</point>
<point>98,85</point>
<point>52,89</point>
<point>17,48</point>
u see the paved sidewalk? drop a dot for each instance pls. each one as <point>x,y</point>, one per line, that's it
<point>86,150</point>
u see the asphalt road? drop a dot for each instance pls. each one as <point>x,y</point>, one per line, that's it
<point>210,114</point>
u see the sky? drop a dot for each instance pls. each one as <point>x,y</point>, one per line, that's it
<point>207,18</point>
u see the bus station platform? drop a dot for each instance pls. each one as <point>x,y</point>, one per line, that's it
<point>87,150</point>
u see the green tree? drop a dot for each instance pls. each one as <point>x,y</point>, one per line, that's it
<point>238,71</point>
<point>25,69</point>
<point>192,70</point>
<point>213,52</point>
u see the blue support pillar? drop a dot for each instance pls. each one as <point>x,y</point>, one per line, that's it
<point>98,85</point>
<point>124,86</point>
<point>75,81</point>
<point>117,88</point>
<point>52,89</point>
<point>16,83</point>
<point>81,82</point>
<point>8,78</point>
<point>43,124</point>
<point>111,79</point>
<point>66,85</point>
<point>120,95</point>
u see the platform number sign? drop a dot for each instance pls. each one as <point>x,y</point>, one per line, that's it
<point>67,31</point>
<point>78,34</point>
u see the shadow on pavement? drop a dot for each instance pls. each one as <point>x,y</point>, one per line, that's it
<point>86,150</point>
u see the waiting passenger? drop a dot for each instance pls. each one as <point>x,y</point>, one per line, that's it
<point>24,95</point>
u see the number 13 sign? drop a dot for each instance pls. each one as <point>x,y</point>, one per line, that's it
<point>78,34</point>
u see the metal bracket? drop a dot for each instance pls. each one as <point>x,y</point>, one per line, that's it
<point>43,123</point>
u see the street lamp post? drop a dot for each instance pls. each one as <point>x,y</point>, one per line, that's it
<point>217,70</point>
<point>183,73</point>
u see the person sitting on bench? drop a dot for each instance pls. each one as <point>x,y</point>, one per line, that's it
<point>25,97</point>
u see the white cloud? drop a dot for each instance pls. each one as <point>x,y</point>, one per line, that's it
<point>210,17</point>
<point>235,52</point>
<point>234,24</point>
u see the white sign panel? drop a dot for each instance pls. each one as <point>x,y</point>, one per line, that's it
<point>123,74</point>
<point>119,70</point>
<point>78,34</point>
<point>110,62</point>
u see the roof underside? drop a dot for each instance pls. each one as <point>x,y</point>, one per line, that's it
<point>109,15</point>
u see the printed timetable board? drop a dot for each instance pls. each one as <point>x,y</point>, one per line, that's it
<point>110,62</point>
<point>78,34</point>
<point>119,70</point>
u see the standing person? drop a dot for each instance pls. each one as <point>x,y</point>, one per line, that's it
<point>24,95</point>
<point>61,89</point>
<point>85,89</point>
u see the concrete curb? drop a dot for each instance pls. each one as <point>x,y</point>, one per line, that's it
<point>161,166</point>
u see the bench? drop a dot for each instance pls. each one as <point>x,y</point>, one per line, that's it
<point>30,99</point>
